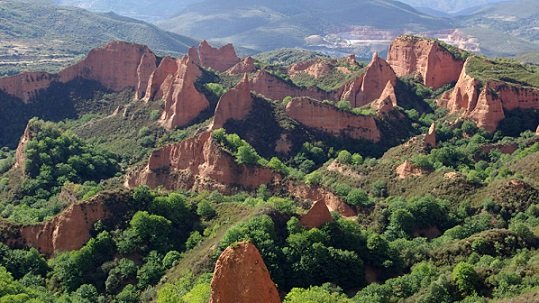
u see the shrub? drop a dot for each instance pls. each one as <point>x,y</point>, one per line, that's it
<point>358,197</point>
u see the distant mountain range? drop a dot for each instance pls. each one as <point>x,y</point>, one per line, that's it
<point>448,7</point>
<point>147,10</point>
<point>265,24</point>
<point>37,33</point>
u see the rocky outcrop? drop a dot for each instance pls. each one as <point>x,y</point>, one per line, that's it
<point>333,202</point>
<point>485,102</point>
<point>234,104</point>
<point>407,169</point>
<point>198,163</point>
<point>174,82</point>
<point>20,157</point>
<point>116,66</point>
<point>370,85</point>
<point>219,59</point>
<point>387,100</point>
<point>314,68</point>
<point>241,276</point>
<point>274,88</point>
<point>537,131</point>
<point>328,118</point>
<point>68,231</point>
<point>430,138</point>
<point>317,216</point>
<point>425,58</point>
<point>245,66</point>
<point>26,86</point>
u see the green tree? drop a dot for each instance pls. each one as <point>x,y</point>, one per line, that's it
<point>358,197</point>
<point>205,210</point>
<point>315,295</point>
<point>465,277</point>
<point>247,155</point>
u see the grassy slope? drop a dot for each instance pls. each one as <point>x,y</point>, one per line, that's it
<point>504,70</point>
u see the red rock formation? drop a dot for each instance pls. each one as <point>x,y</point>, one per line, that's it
<point>241,276</point>
<point>487,102</point>
<point>351,59</point>
<point>234,104</point>
<point>219,59</point>
<point>370,85</point>
<point>333,202</point>
<point>26,86</point>
<point>67,231</point>
<point>425,58</point>
<point>407,169</point>
<point>314,68</point>
<point>328,118</point>
<point>20,157</point>
<point>274,88</point>
<point>198,163</point>
<point>116,66</point>
<point>245,66</point>
<point>317,216</point>
<point>430,138</point>
<point>387,101</point>
<point>174,82</point>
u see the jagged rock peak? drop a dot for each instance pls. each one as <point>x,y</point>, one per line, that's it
<point>235,104</point>
<point>425,58</point>
<point>430,138</point>
<point>240,276</point>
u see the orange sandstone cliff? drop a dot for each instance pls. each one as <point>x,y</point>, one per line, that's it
<point>485,102</point>
<point>241,276</point>
<point>116,66</point>
<point>370,85</point>
<point>245,66</point>
<point>234,104</point>
<point>198,163</point>
<point>219,59</point>
<point>274,88</point>
<point>328,118</point>
<point>174,82</point>
<point>425,58</point>
<point>70,230</point>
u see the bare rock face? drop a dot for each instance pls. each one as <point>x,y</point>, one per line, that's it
<point>314,68</point>
<point>351,59</point>
<point>245,66</point>
<point>537,131</point>
<point>387,101</point>
<point>26,86</point>
<point>67,231</point>
<point>407,169</point>
<point>234,104</point>
<point>116,66</point>
<point>219,59</point>
<point>486,103</point>
<point>425,58</point>
<point>241,276</point>
<point>328,118</point>
<point>271,87</point>
<point>198,163</point>
<point>20,157</point>
<point>370,85</point>
<point>317,216</point>
<point>430,138</point>
<point>174,82</point>
<point>332,201</point>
